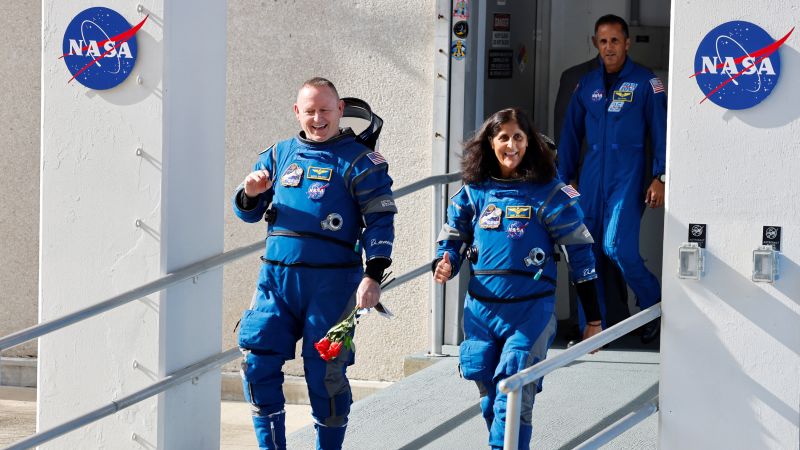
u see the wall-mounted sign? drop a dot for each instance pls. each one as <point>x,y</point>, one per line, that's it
<point>501,22</point>
<point>501,63</point>
<point>461,9</point>
<point>697,233</point>
<point>501,39</point>
<point>461,29</point>
<point>100,48</point>
<point>458,49</point>
<point>771,235</point>
<point>737,64</point>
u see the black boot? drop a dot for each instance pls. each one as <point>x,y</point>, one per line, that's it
<point>651,331</point>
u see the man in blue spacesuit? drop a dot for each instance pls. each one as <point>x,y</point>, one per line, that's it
<point>615,107</point>
<point>326,196</point>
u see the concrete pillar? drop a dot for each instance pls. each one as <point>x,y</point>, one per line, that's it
<point>131,189</point>
<point>730,348</point>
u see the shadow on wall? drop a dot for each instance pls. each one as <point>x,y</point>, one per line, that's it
<point>737,293</point>
<point>148,69</point>
<point>780,108</point>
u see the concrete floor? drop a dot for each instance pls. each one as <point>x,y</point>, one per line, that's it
<point>18,419</point>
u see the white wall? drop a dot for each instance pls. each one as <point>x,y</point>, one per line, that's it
<point>380,52</point>
<point>19,167</point>
<point>730,348</point>
<point>383,55</point>
<point>93,189</point>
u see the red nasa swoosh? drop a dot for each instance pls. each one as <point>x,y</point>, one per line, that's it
<point>760,53</point>
<point>119,39</point>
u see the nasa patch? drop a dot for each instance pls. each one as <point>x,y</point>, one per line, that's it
<point>737,64</point>
<point>597,95</point>
<point>516,229</point>
<point>99,48</point>
<point>317,190</point>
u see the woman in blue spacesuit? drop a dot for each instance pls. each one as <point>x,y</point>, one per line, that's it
<point>506,220</point>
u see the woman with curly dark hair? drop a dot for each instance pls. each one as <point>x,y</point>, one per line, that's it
<point>506,220</point>
<point>536,164</point>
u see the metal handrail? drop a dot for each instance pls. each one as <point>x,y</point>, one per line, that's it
<point>425,182</point>
<point>164,384</point>
<point>188,372</point>
<point>622,425</point>
<point>181,376</point>
<point>159,284</point>
<point>512,386</point>
<point>182,274</point>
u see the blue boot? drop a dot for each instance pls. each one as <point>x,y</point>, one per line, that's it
<point>524,441</point>
<point>329,438</point>
<point>271,431</point>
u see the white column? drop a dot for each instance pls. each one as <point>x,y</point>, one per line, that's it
<point>114,218</point>
<point>195,44</point>
<point>730,348</point>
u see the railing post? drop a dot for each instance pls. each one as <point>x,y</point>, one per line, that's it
<point>513,410</point>
<point>437,290</point>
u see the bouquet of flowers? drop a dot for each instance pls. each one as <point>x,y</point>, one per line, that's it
<point>341,334</point>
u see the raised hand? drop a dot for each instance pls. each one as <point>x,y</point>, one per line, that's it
<point>443,269</point>
<point>257,182</point>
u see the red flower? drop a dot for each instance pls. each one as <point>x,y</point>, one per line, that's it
<point>322,347</point>
<point>340,335</point>
<point>334,350</point>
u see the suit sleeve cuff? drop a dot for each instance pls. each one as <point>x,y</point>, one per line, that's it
<point>375,268</point>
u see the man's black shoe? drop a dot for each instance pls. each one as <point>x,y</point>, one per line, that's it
<point>651,331</point>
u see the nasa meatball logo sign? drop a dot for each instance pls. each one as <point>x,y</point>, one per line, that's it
<point>737,64</point>
<point>100,48</point>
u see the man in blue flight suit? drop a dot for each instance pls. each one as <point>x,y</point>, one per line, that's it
<point>326,196</point>
<point>615,107</point>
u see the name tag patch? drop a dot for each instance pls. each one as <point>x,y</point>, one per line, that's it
<point>319,173</point>
<point>622,96</point>
<point>518,212</point>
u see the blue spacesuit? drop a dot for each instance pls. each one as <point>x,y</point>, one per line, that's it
<point>328,201</point>
<point>615,122</point>
<point>508,230</point>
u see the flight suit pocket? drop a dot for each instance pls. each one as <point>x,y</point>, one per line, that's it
<point>253,330</point>
<point>477,360</point>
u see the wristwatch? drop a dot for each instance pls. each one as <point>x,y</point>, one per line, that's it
<point>662,178</point>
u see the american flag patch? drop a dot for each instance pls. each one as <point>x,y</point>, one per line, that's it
<point>658,86</point>
<point>376,158</point>
<point>570,191</point>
